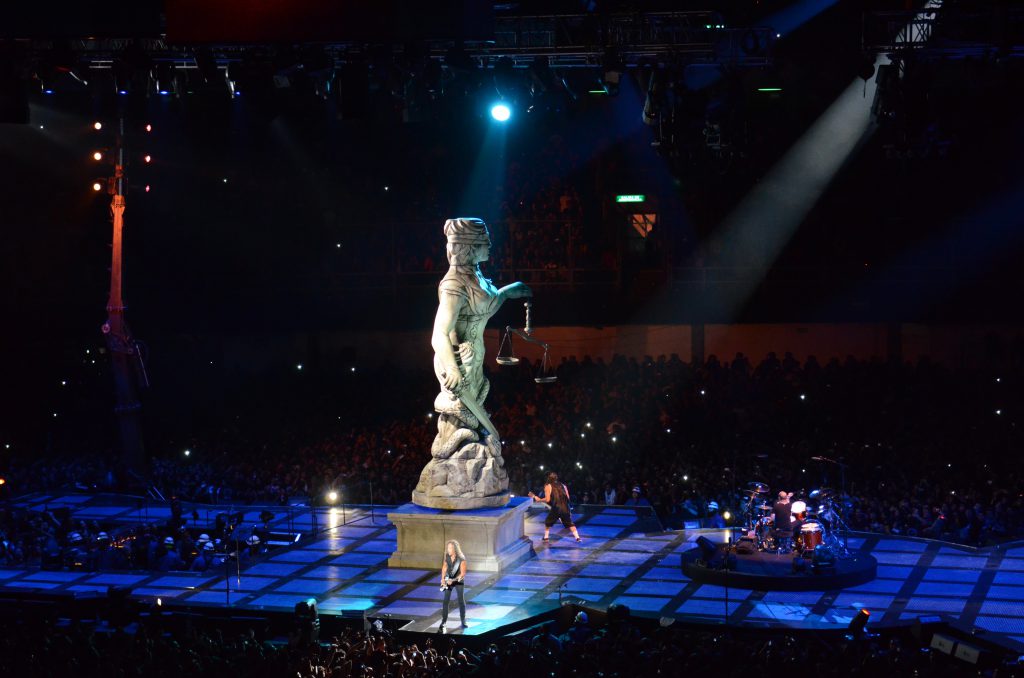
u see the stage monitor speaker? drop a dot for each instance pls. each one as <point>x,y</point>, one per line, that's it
<point>708,549</point>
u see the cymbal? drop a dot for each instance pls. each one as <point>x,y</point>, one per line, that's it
<point>765,507</point>
<point>758,487</point>
<point>822,493</point>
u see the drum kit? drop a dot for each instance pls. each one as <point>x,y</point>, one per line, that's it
<point>819,517</point>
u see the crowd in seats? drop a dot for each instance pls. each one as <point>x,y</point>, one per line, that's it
<point>924,450</point>
<point>619,648</point>
<point>51,540</point>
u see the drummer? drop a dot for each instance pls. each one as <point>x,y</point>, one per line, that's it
<point>783,512</point>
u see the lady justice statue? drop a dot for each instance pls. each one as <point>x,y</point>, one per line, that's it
<point>467,470</point>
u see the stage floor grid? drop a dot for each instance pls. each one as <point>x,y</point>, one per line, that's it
<point>345,568</point>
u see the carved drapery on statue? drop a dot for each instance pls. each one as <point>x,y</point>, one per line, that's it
<point>466,470</point>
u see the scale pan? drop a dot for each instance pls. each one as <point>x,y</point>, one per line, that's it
<point>507,360</point>
<point>545,380</point>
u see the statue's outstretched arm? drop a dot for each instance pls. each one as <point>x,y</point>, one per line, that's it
<point>440,340</point>
<point>516,290</point>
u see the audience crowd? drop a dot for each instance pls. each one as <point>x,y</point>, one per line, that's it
<point>914,449</point>
<point>620,647</point>
<point>50,540</point>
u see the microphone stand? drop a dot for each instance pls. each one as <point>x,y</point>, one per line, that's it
<point>842,494</point>
<point>725,561</point>
<point>373,519</point>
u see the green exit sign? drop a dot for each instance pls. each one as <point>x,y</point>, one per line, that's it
<point>632,197</point>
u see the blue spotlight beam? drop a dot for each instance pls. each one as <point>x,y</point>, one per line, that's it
<point>501,112</point>
<point>761,225</point>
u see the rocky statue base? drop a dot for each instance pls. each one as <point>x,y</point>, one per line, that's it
<point>492,539</point>
<point>466,471</point>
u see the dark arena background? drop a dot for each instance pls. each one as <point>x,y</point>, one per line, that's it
<point>764,268</point>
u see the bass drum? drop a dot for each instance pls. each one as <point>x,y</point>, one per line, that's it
<point>811,535</point>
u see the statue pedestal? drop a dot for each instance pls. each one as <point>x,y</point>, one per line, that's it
<point>492,538</point>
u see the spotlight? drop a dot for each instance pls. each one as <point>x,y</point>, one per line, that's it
<point>97,186</point>
<point>188,453</point>
<point>727,515</point>
<point>857,624</point>
<point>147,158</point>
<point>614,67</point>
<point>332,497</point>
<point>149,128</point>
<point>97,156</point>
<point>97,125</point>
<point>501,112</point>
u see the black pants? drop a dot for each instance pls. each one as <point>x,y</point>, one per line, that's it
<point>448,599</point>
<point>554,515</point>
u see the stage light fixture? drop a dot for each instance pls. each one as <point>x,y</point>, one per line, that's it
<point>149,128</point>
<point>97,156</point>
<point>613,67</point>
<point>97,125</point>
<point>501,112</point>
<point>97,186</point>
<point>147,158</point>
<point>857,624</point>
<point>332,497</point>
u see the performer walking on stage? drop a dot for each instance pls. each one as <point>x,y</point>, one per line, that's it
<point>453,576</point>
<point>556,495</point>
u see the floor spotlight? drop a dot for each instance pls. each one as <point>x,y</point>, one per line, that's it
<point>501,112</point>
<point>857,624</point>
<point>332,497</point>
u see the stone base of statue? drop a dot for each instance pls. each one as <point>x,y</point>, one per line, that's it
<point>492,539</point>
<point>466,471</point>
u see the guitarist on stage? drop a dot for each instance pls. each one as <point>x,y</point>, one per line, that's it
<point>453,576</point>
<point>556,494</point>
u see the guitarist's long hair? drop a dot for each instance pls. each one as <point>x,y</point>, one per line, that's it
<point>558,496</point>
<point>458,549</point>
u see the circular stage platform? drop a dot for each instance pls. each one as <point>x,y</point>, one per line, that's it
<point>769,571</point>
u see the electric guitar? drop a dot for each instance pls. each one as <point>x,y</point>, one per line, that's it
<point>448,583</point>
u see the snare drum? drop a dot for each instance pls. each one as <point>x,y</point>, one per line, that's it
<point>810,536</point>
